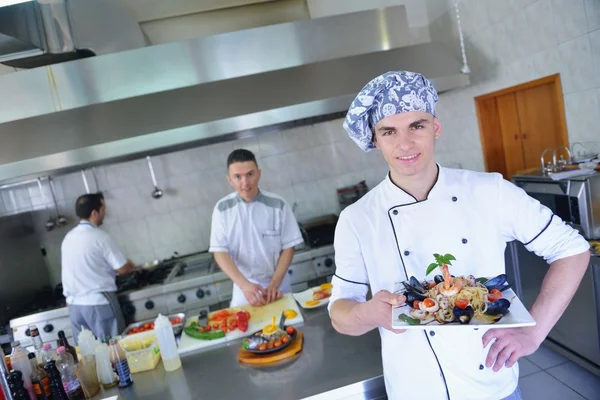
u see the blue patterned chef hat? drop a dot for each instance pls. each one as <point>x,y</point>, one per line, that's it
<point>391,93</point>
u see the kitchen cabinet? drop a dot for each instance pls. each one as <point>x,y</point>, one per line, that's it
<point>518,123</point>
<point>577,329</point>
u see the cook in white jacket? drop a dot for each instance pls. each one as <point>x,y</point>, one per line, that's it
<point>421,209</point>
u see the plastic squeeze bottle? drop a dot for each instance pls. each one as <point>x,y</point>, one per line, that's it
<point>166,343</point>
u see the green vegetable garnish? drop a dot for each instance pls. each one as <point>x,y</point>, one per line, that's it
<point>482,280</point>
<point>193,331</point>
<point>409,320</point>
<point>440,261</point>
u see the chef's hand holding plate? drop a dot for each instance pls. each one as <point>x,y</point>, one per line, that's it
<point>254,293</point>
<point>379,309</point>
<point>510,345</point>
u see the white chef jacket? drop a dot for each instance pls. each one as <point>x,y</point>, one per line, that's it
<point>89,259</point>
<point>254,234</point>
<point>388,236</point>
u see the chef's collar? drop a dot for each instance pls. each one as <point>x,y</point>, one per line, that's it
<point>254,200</point>
<point>87,223</point>
<point>401,197</point>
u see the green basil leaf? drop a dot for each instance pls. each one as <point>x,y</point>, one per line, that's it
<point>409,320</point>
<point>482,280</point>
<point>430,268</point>
<point>439,259</point>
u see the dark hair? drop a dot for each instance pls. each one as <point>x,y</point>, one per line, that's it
<point>87,203</point>
<point>240,155</point>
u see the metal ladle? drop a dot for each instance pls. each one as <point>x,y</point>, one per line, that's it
<point>85,182</point>
<point>51,223</point>
<point>96,180</point>
<point>60,220</point>
<point>157,193</point>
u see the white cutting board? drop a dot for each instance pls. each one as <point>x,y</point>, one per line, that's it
<point>259,317</point>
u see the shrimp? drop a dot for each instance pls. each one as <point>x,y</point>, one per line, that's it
<point>450,286</point>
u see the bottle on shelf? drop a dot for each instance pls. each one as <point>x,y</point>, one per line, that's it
<point>34,333</point>
<point>56,386</point>
<point>39,379</point>
<point>166,343</point>
<point>118,358</point>
<point>66,366</point>
<point>62,341</point>
<point>19,361</point>
<point>47,354</point>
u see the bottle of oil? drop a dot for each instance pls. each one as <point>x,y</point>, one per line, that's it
<point>39,379</point>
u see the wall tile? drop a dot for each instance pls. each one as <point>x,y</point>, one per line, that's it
<point>547,62</point>
<point>540,19</point>
<point>309,199</point>
<point>296,139</point>
<point>301,167</point>
<point>16,199</point>
<point>578,66</point>
<point>275,171</point>
<point>592,10</point>
<point>499,10</point>
<point>250,143</point>
<point>595,47</point>
<point>570,19</point>
<point>582,110</point>
<point>270,143</point>
<point>216,155</point>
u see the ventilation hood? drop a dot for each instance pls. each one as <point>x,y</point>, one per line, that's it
<point>43,32</point>
<point>156,99</point>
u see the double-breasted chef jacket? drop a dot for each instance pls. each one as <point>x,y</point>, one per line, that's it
<point>388,236</point>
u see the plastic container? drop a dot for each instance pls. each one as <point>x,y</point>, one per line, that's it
<point>143,353</point>
<point>166,343</point>
<point>19,360</point>
<point>104,368</point>
<point>47,354</point>
<point>66,366</point>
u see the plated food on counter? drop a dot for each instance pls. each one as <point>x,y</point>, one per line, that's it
<point>314,297</point>
<point>460,300</point>
<point>270,339</point>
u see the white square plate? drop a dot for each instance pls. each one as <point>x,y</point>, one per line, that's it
<point>303,297</point>
<point>517,316</point>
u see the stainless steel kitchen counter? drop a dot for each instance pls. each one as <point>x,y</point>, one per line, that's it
<point>328,362</point>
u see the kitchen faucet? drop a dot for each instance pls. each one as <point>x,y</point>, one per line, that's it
<point>562,162</point>
<point>550,166</point>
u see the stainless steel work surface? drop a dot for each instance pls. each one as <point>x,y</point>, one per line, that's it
<point>327,362</point>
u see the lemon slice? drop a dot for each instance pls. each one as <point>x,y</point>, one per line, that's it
<point>326,286</point>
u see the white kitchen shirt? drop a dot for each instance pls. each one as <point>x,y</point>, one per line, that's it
<point>254,234</point>
<point>388,236</point>
<point>89,259</point>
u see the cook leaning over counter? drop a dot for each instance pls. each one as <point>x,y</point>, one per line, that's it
<point>420,209</point>
<point>90,261</point>
<point>253,235</point>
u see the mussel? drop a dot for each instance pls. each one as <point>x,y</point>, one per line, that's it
<point>411,296</point>
<point>414,285</point>
<point>463,315</point>
<point>496,283</point>
<point>438,279</point>
<point>498,307</point>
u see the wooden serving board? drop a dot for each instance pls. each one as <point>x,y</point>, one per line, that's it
<point>259,317</point>
<point>246,357</point>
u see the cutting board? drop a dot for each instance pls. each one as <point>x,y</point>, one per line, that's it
<point>246,357</point>
<point>259,317</point>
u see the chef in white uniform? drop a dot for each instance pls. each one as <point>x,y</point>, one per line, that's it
<point>90,261</point>
<point>253,235</point>
<point>419,209</point>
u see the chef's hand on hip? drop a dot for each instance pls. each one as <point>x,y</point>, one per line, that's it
<point>510,345</point>
<point>254,293</point>
<point>380,309</point>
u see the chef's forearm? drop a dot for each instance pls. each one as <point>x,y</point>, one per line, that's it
<point>228,266</point>
<point>348,317</point>
<point>558,288</point>
<point>285,259</point>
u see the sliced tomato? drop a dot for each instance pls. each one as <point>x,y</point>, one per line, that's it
<point>432,285</point>
<point>428,303</point>
<point>461,303</point>
<point>416,304</point>
<point>494,297</point>
<point>496,292</point>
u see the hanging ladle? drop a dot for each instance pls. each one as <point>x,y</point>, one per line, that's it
<point>50,224</point>
<point>157,193</point>
<point>96,180</point>
<point>60,220</point>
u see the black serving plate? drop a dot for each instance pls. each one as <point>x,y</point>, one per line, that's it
<point>273,350</point>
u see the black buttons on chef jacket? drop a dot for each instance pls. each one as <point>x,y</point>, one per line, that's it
<point>454,199</point>
<point>480,366</point>
<point>464,241</point>
<point>406,252</point>
<point>395,212</point>
<point>431,333</point>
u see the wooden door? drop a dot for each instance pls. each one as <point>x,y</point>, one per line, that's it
<point>512,140</point>
<point>524,120</point>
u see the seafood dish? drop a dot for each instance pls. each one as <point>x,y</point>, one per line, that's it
<point>314,297</point>
<point>271,338</point>
<point>449,299</point>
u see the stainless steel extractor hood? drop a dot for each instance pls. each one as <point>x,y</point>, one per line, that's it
<point>156,99</point>
<point>35,33</point>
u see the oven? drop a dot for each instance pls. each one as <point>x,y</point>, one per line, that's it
<point>576,200</point>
